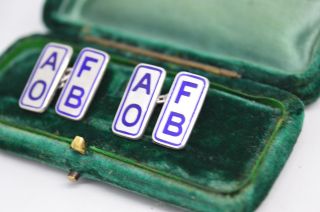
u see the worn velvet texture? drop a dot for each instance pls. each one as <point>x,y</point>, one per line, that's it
<point>242,138</point>
<point>245,131</point>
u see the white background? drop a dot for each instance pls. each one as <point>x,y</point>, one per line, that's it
<point>29,186</point>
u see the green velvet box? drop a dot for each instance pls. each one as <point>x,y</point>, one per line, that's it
<point>256,54</point>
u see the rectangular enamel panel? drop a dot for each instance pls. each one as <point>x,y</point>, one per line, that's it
<point>45,77</point>
<point>80,88</point>
<point>180,111</point>
<point>138,101</point>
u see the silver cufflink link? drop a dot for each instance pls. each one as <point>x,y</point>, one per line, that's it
<point>79,86</point>
<point>179,113</point>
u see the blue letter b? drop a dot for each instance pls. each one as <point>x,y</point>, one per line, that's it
<point>177,125</point>
<point>76,97</point>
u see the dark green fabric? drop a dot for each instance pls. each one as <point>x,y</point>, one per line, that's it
<point>244,135</point>
<point>274,42</point>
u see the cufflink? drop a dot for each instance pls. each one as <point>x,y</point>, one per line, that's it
<point>45,77</point>
<point>181,110</point>
<point>79,84</point>
<point>138,101</point>
<point>82,84</point>
<point>179,113</point>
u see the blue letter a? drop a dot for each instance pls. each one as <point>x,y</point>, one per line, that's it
<point>51,61</point>
<point>144,85</point>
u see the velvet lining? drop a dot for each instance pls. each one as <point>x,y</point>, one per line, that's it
<point>256,39</point>
<point>244,134</point>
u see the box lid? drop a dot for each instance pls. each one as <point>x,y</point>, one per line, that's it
<point>273,42</point>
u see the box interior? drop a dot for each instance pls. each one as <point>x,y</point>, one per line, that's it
<point>230,140</point>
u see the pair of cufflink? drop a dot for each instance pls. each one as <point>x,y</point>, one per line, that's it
<point>177,118</point>
<point>79,83</point>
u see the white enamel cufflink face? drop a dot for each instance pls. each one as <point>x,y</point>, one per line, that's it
<point>179,113</point>
<point>80,88</point>
<point>45,77</point>
<point>50,71</point>
<point>138,101</point>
